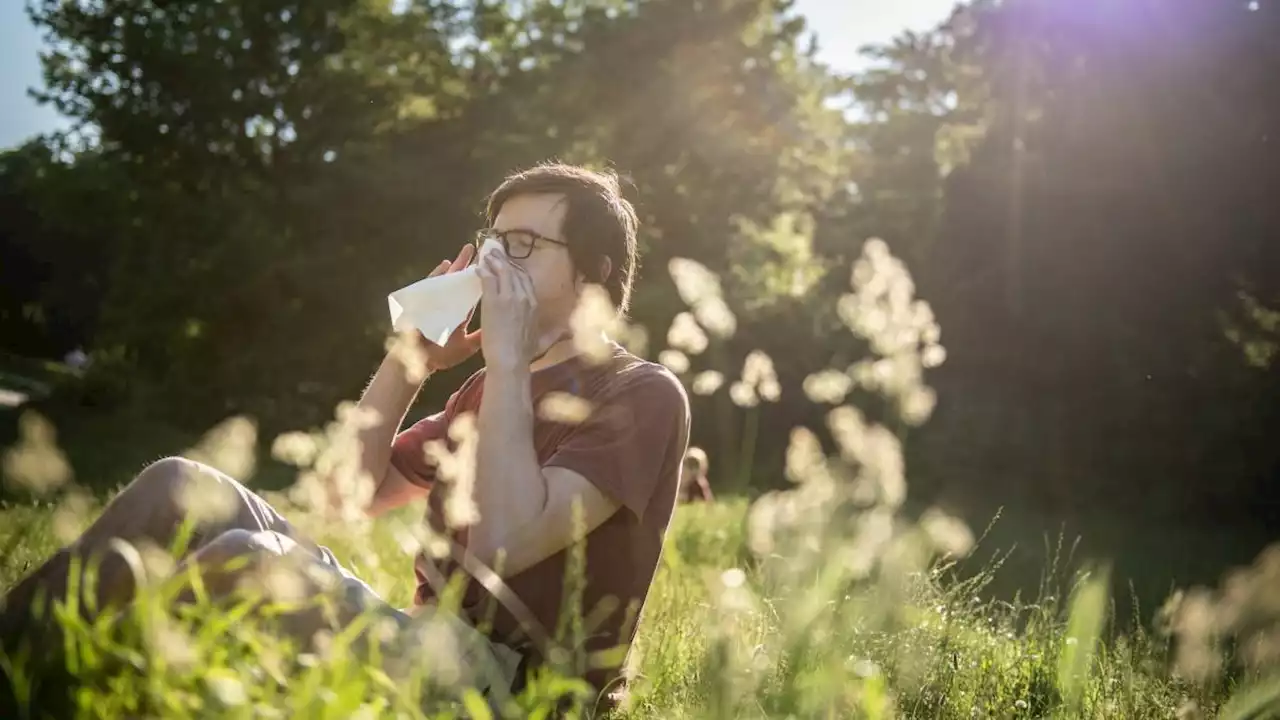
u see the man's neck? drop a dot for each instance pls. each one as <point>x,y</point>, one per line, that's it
<point>560,350</point>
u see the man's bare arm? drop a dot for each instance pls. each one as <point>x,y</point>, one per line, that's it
<point>526,511</point>
<point>392,391</point>
<point>510,490</point>
<point>388,398</point>
<point>553,529</point>
<point>384,402</point>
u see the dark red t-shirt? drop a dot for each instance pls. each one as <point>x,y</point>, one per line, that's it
<point>631,447</point>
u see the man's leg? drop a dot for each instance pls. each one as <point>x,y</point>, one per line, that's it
<point>277,568</point>
<point>151,509</point>
<point>449,650</point>
<point>430,645</point>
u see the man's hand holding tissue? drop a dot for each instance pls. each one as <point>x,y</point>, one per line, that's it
<point>509,315</point>
<point>461,345</point>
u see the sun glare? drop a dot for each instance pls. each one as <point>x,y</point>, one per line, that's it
<point>843,27</point>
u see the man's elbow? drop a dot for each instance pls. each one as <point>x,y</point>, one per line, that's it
<point>487,538</point>
<point>392,492</point>
<point>482,545</point>
<point>496,552</point>
<point>508,549</point>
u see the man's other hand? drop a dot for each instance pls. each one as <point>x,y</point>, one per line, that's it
<point>509,313</point>
<point>461,345</point>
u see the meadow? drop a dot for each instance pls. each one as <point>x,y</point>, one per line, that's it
<point>717,640</point>
<point>821,600</point>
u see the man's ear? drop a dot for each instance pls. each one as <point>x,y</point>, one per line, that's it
<point>606,269</point>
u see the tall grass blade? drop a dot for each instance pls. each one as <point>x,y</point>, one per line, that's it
<point>1087,616</point>
<point>1259,700</point>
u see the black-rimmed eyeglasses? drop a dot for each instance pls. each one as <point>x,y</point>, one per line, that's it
<point>518,244</point>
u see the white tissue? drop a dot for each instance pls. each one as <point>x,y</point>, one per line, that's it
<point>436,306</point>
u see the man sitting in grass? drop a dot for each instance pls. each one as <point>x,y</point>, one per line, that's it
<point>614,474</point>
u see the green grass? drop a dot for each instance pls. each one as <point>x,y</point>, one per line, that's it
<point>820,602</point>
<point>926,647</point>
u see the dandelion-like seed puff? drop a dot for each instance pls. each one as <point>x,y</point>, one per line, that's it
<point>231,446</point>
<point>675,361</point>
<point>685,334</point>
<point>35,462</point>
<point>595,324</point>
<point>457,469</point>
<point>700,289</point>
<point>827,386</point>
<point>564,408</point>
<point>707,382</point>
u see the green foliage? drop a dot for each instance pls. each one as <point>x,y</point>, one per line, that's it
<point>948,655</point>
<point>282,167</point>
<point>1259,700</point>
<point>1084,627</point>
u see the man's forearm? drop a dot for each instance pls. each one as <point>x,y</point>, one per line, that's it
<point>386,400</point>
<point>510,490</point>
<point>388,396</point>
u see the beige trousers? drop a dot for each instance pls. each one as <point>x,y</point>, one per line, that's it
<point>231,523</point>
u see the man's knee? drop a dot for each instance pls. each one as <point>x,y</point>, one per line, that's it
<point>169,477</point>
<point>187,488</point>
<point>269,567</point>
<point>240,543</point>
<point>233,557</point>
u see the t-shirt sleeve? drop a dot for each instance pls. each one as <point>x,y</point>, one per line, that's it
<point>633,440</point>
<point>408,451</point>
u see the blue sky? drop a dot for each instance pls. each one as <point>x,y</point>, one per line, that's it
<point>842,26</point>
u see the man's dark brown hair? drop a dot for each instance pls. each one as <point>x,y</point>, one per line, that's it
<point>599,223</point>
